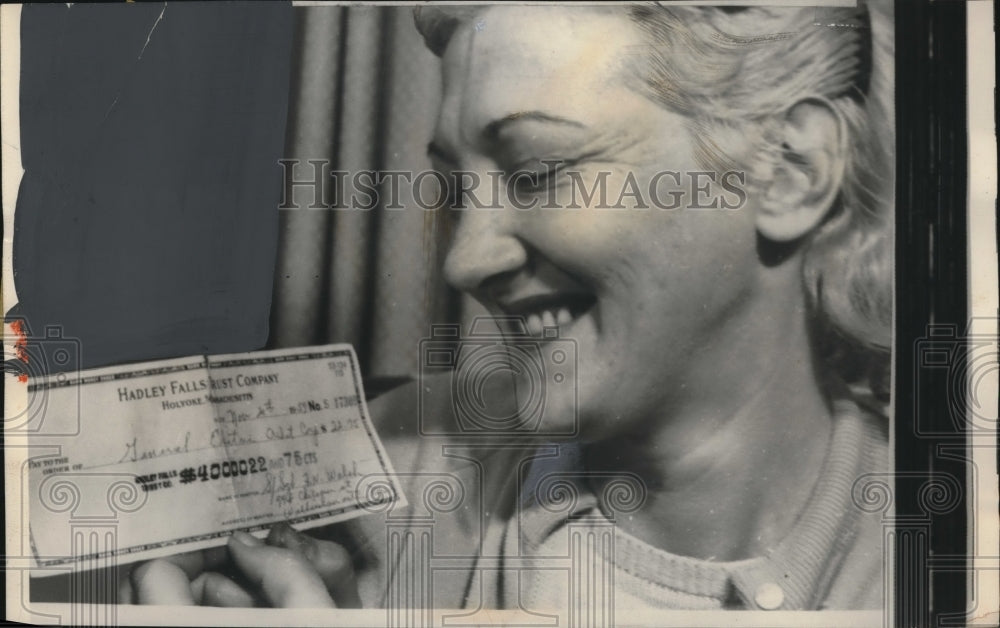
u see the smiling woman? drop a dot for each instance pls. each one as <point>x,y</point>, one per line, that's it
<point>701,334</point>
<point>712,379</point>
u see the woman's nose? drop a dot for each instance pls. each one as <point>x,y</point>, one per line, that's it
<point>484,247</point>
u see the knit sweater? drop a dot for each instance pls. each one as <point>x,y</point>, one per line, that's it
<point>832,557</point>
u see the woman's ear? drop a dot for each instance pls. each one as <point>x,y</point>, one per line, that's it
<point>809,170</point>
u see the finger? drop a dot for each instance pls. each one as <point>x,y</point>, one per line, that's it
<point>333,564</point>
<point>194,563</point>
<point>161,582</point>
<point>125,590</point>
<point>330,560</point>
<point>284,577</point>
<point>284,535</point>
<point>214,589</point>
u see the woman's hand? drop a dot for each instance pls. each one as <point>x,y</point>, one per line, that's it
<point>288,570</point>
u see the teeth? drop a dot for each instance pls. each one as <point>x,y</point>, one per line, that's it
<point>534,322</point>
<point>537,322</point>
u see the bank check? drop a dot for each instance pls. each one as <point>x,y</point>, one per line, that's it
<point>175,455</point>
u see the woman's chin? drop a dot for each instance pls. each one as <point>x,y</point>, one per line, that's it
<point>572,415</point>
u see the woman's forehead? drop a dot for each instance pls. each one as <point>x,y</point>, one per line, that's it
<point>540,40</point>
<point>522,58</point>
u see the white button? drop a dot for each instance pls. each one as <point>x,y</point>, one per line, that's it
<point>769,596</point>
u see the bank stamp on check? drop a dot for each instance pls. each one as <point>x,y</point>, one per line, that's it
<point>177,454</point>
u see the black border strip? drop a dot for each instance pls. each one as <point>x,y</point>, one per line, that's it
<point>931,288</point>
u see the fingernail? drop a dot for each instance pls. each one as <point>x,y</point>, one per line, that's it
<point>284,535</point>
<point>284,529</point>
<point>246,539</point>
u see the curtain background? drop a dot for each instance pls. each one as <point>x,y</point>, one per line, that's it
<point>364,95</point>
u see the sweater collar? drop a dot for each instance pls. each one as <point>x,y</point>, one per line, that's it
<point>792,576</point>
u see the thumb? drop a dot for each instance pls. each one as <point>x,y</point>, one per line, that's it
<point>161,582</point>
<point>330,560</point>
<point>284,577</point>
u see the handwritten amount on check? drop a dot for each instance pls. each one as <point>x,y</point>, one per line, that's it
<point>232,432</point>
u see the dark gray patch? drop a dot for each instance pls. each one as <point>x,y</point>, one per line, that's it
<point>146,222</point>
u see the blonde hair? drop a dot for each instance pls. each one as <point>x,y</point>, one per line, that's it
<point>735,72</point>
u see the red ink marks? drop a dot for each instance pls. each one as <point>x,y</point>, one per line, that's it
<point>20,346</point>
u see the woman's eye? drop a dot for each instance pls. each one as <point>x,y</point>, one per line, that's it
<point>537,179</point>
<point>533,181</point>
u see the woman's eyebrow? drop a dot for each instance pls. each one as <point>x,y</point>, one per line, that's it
<point>493,129</point>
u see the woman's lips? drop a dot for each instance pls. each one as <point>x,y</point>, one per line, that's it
<point>541,311</point>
